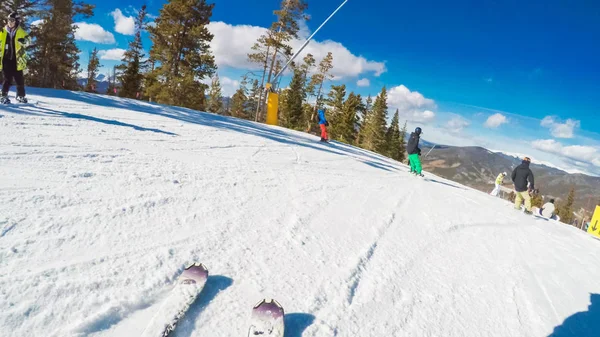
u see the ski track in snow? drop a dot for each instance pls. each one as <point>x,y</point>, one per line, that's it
<point>104,201</point>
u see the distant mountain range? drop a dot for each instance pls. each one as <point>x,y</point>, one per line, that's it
<point>478,167</point>
<point>101,86</point>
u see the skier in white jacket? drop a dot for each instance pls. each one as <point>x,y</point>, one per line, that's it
<point>499,181</point>
<point>548,210</point>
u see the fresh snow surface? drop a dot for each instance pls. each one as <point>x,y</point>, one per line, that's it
<point>104,201</point>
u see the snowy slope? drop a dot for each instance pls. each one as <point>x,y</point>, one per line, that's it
<point>104,201</point>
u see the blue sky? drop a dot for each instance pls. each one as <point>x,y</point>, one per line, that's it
<point>513,76</point>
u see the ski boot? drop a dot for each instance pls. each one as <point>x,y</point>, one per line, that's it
<point>4,99</point>
<point>21,99</point>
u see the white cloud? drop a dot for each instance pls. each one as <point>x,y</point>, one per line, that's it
<point>427,115</point>
<point>495,121</point>
<point>304,31</point>
<point>123,24</point>
<point>558,129</point>
<point>115,54</point>
<point>231,44</point>
<point>424,116</point>
<point>36,22</point>
<point>412,105</point>
<point>581,153</point>
<point>457,124</point>
<point>93,32</point>
<point>229,86</point>
<point>363,82</point>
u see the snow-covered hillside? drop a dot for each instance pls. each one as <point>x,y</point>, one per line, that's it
<point>104,201</point>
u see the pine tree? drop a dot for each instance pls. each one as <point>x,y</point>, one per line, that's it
<point>285,28</point>
<point>92,71</point>
<point>239,102</point>
<point>253,98</point>
<point>215,96</point>
<point>369,105</point>
<point>317,81</point>
<point>261,51</point>
<point>306,68</point>
<point>392,139</point>
<point>566,210</point>
<point>282,115</point>
<point>132,77</point>
<point>291,110</point>
<point>335,101</point>
<point>402,149</point>
<point>274,44</point>
<point>537,200</point>
<point>363,121</point>
<point>375,126</point>
<point>150,77</point>
<point>112,82</point>
<point>53,54</point>
<point>181,48</point>
<point>348,121</point>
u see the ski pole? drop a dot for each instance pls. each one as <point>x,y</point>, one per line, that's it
<point>430,150</point>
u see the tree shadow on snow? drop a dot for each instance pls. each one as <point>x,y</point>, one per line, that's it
<point>274,133</point>
<point>214,285</point>
<point>443,183</point>
<point>48,111</point>
<point>376,165</point>
<point>296,323</point>
<point>581,324</point>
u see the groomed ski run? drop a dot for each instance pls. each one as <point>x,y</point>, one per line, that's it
<point>104,201</point>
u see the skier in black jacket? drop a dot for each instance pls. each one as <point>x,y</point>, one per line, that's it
<point>522,178</point>
<point>412,147</point>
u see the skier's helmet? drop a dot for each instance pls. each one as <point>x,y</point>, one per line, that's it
<point>418,130</point>
<point>13,17</point>
<point>503,173</point>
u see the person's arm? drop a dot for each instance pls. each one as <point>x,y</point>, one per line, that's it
<point>531,180</point>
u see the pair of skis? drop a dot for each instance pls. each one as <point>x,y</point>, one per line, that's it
<point>266,319</point>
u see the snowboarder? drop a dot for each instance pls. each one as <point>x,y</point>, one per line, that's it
<point>412,147</point>
<point>323,123</point>
<point>499,181</point>
<point>13,41</point>
<point>548,210</point>
<point>522,177</point>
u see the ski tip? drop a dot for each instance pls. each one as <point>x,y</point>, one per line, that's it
<point>269,306</point>
<point>195,273</point>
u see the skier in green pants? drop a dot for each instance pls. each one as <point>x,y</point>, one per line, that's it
<point>413,152</point>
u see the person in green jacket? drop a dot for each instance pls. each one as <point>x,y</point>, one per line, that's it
<point>499,181</point>
<point>13,60</point>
